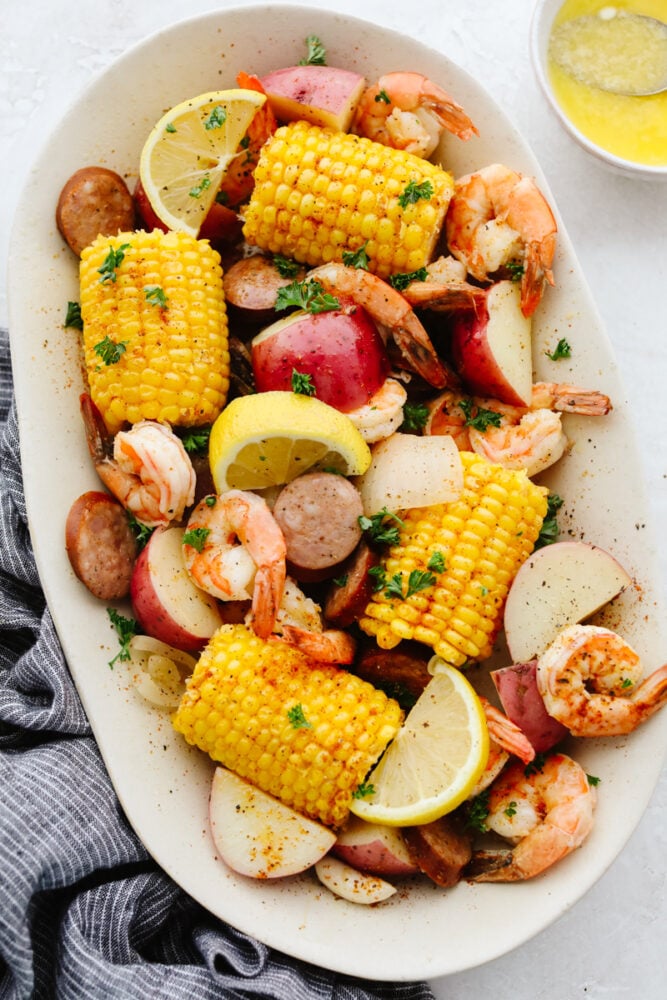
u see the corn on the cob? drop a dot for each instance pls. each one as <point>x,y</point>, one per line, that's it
<point>480,540</point>
<point>319,193</point>
<point>154,328</point>
<point>305,732</point>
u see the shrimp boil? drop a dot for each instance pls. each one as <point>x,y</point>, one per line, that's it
<point>408,111</point>
<point>546,814</point>
<point>146,468</point>
<point>589,680</point>
<point>234,550</point>
<point>382,414</point>
<point>392,312</point>
<point>496,217</point>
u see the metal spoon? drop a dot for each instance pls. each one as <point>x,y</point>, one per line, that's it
<point>595,50</point>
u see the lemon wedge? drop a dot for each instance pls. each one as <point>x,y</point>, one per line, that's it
<point>435,760</point>
<point>187,153</point>
<point>272,437</point>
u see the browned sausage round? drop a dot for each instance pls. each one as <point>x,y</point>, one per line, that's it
<point>441,849</point>
<point>251,286</point>
<point>100,545</point>
<point>319,517</point>
<point>346,599</point>
<point>405,668</point>
<point>94,202</point>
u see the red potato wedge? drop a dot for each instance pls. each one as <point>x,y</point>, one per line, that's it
<point>167,604</point>
<point>523,704</point>
<point>259,836</point>
<point>369,847</point>
<point>321,95</point>
<point>558,585</point>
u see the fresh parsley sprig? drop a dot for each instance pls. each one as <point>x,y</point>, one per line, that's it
<point>110,351</point>
<point>357,258</point>
<point>415,416</point>
<point>418,579</point>
<point>560,351</point>
<point>196,537</point>
<point>402,279</point>
<point>73,316</point>
<point>549,530</point>
<point>477,417</point>
<point>308,295</point>
<point>316,53</point>
<point>125,629</point>
<point>112,262</point>
<point>413,192</point>
<point>285,266</point>
<point>297,718</point>
<point>302,383</point>
<point>377,529</point>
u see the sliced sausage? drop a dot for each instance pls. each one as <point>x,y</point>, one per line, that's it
<point>94,202</point>
<point>346,601</point>
<point>251,286</point>
<point>440,849</point>
<point>405,667</point>
<point>100,545</point>
<point>318,514</point>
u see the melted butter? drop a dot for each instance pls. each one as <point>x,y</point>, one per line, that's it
<point>634,128</point>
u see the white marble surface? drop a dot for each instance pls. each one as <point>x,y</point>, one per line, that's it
<point>611,944</point>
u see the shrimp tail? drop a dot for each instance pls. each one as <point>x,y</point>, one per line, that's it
<point>331,646</point>
<point>267,597</point>
<point>507,734</point>
<point>491,866</point>
<point>98,438</point>
<point>415,345</point>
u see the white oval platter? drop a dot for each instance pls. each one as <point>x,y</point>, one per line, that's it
<point>422,932</point>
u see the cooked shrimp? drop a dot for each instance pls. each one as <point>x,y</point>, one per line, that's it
<point>505,738</point>
<point>392,312</point>
<point>516,437</point>
<point>297,609</point>
<point>546,814</point>
<point>408,111</point>
<point>588,678</point>
<point>146,468</point>
<point>329,646</point>
<point>445,289</point>
<point>506,733</point>
<point>239,178</point>
<point>234,550</point>
<point>496,217</point>
<point>382,414</point>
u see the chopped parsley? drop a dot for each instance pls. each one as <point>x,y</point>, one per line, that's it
<point>363,790</point>
<point>211,500</point>
<point>196,537</point>
<point>535,765</point>
<point>413,192</point>
<point>112,262</point>
<point>379,577</point>
<point>125,629</point>
<point>198,190</point>
<point>549,530</point>
<point>109,350</point>
<point>627,683</point>
<point>510,809</point>
<point>415,416</point>
<point>308,295</point>
<point>402,279</point>
<point>302,383</point>
<point>316,53</point>
<point>437,563</point>
<point>222,198</point>
<point>216,119</point>
<point>418,579</point>
<point>477,417</point>
<point>357,258</point>
<point>297,718</point>
<point>561,350</point>
<point>156,296</point>
<point>73,316</point>
<point>478,811</point>
<point>285,267</point>
<point>516,271</point>
<point>195,439</point>
<point>383,96</point>
<point>141,531</point>
<point>377,529</point>
<point>592,780</point>
<point>340,581</point>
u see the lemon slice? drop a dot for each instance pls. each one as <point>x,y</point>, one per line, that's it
<point>434,761</point>
<point>273,437</point>
<point>188,151</point>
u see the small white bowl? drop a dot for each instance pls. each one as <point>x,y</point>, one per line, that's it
<point>543,17</point>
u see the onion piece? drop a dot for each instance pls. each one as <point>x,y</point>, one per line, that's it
<point>408,471</point>
<point>161,670</point>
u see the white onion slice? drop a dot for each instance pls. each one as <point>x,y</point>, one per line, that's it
<point>409,471</point>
